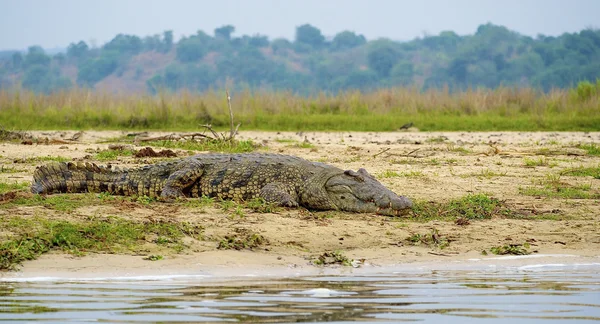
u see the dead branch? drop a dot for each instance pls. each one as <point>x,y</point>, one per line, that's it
<point>382,151</point>
<point>232,132</point>
<point>208,127</point>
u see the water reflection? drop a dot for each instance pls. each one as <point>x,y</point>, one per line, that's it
<point>451,296</point>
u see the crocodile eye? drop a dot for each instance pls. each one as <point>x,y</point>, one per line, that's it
<point>343,197</point>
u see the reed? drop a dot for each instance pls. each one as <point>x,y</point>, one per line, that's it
<point>522,109</point>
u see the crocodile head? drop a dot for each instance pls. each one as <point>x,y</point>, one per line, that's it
<point>361,192</point>
<point>354,192</point>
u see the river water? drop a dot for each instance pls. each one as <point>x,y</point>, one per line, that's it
<point>547,293</point>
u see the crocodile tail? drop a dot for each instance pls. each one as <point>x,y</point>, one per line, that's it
<point>73,177</point>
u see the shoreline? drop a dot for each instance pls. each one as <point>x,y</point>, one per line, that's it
<point>110,267</point>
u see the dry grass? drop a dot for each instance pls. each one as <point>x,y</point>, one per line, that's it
<point>386,109</point>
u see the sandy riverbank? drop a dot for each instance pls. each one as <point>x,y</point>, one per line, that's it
<point>429,167</point>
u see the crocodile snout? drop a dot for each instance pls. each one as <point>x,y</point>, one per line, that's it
<point>393,206</point>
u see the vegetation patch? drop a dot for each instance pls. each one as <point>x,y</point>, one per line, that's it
<point>511,249</point>
<point>541,161</point>
<point>259,205</point>
<point>553,187</point>
<point>331,258</point>
<point>489,174</point>
<point>472,206</point>
<point>9,169</point>
<point>7,135</point>
<point>41,159</point>
<point>591,149</point>
<point>111,155</point>
<point>233,146</point>
<point>14,186</point>
<point>154,257</point>
<point>407,174</point>
<point>242,240</point>
<point>31,237</point>
<point>593,172</point>
<point>433,239</point>
<point>59,202</point>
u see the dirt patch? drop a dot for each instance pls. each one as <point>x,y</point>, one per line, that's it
<point>149,152</point>
<point>523,172</point>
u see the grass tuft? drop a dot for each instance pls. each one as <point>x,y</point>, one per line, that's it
<point>33,237</point>
<point>243,146</point>
<point>472,206</point>
<point>591,149</point>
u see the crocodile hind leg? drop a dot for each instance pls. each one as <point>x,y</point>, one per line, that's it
<point>280,194</point>
<point>190,171</point>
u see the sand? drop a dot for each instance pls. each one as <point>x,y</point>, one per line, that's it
<point>431,166</point>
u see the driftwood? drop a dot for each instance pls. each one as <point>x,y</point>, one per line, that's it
<point>214,135</point>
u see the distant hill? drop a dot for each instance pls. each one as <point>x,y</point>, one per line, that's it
<point>493,56</point>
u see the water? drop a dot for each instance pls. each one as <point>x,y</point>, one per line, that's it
<point>530,294</point>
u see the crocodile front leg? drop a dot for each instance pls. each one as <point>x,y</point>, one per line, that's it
<point>280,194</point>
<point>189,171</point>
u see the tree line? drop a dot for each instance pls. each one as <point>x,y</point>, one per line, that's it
<point>493,56</point>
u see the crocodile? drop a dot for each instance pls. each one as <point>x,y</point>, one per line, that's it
<point>284,180</point>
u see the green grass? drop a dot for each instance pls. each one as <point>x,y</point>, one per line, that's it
<point>565,192</point>
<point>213,146</point>
<point>553,187</point>
<point>388,174</point>
<point>111,155</point>
<point>9,169</point>
<point>394,174</point>
<point>487,121</point>
<point>511,249</point>
<point>541,161</point>
<point>523,109</point>
<point>42,159</point>
<point>593,172</point>
<point>32,237</point>
<point>489,174</point>
<point>62,202</point>
<point>591,149</point>
<point>472,206</point>
<point>285,140</point>
<point>14,186</point>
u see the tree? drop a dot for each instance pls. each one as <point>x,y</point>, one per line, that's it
<point>224,32</point>
<point>91,71</point>
<point>402,73</point>
<point>458,69</point>
<point>153,43</point>
<point>279,45</point>
<point>309,35</point>
<point>17,60</point>
<point>346,40</point>
<point>190,50</point>
<point>77,51</point>
<point>40,78</point>
<point>167,41</point>
<point>381,59</point>
<point>258,41</point>
<point>124,44</point>
<point>36,56</point>
<point>357,79</point>
<point>446,41</point>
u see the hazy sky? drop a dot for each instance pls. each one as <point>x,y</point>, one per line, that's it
<point>56,23</point>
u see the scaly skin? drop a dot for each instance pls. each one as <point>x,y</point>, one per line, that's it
<point>282,179</point>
